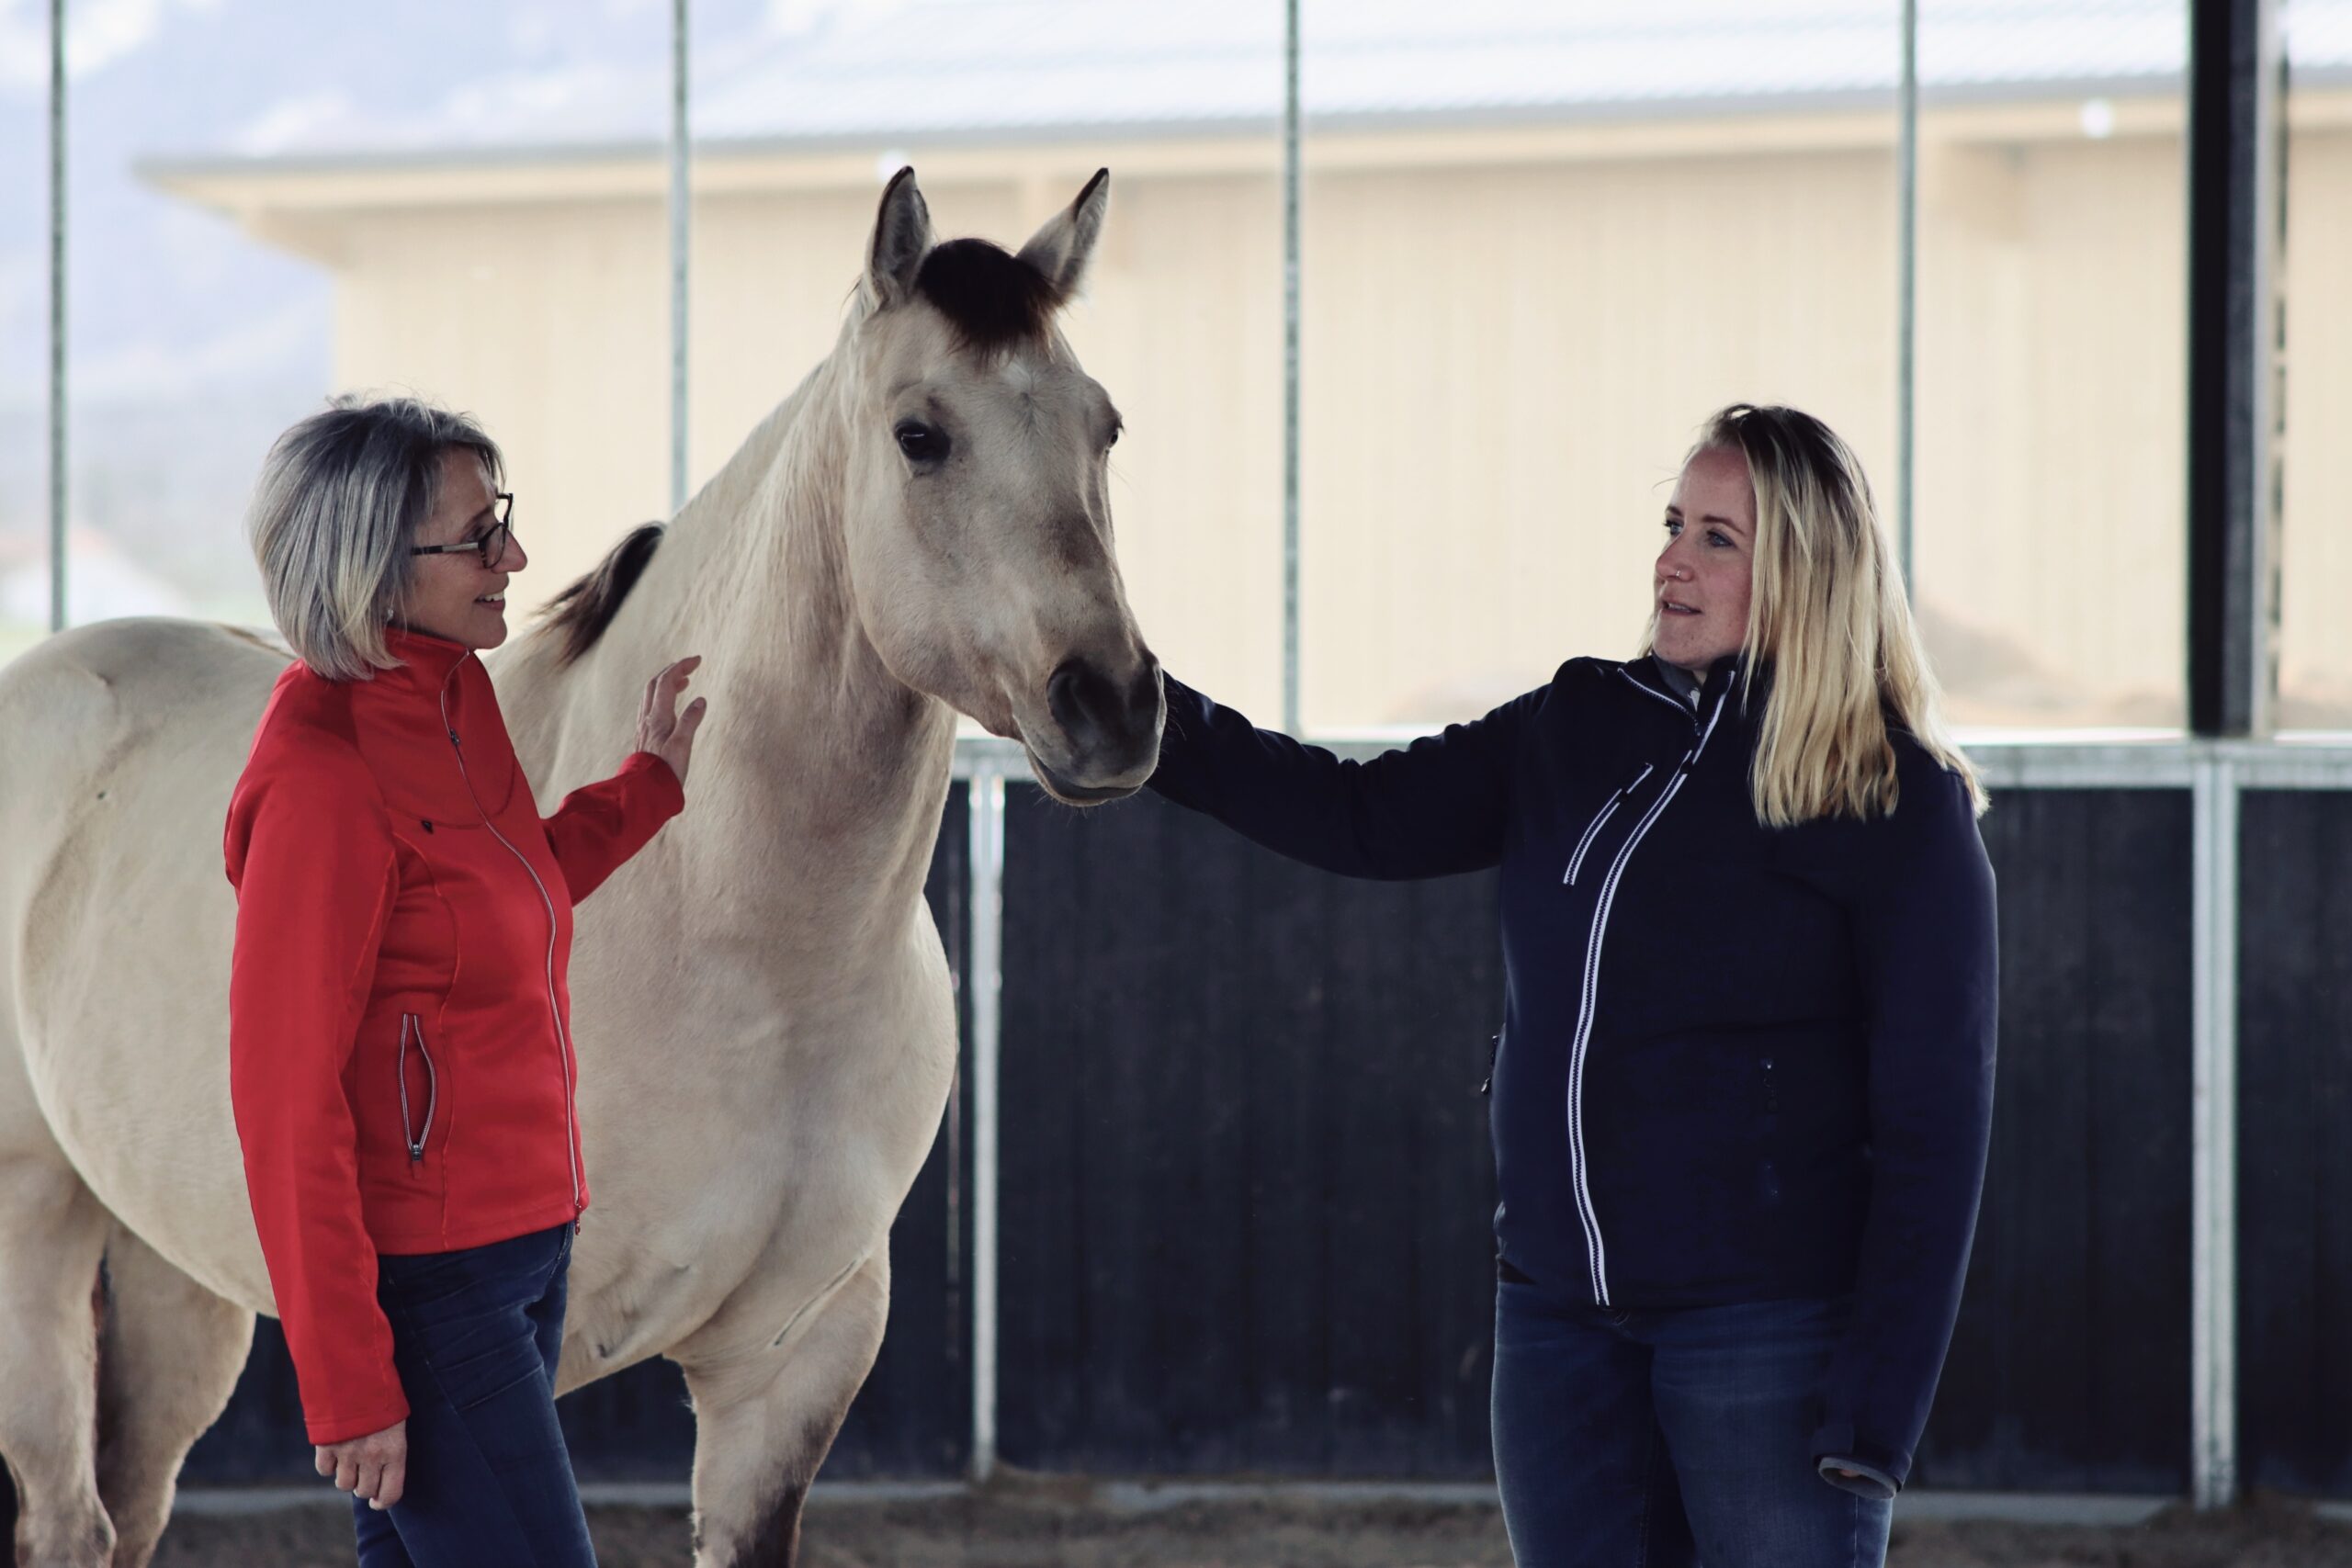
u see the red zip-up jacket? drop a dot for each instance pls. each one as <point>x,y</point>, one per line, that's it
<point>399,1039</point>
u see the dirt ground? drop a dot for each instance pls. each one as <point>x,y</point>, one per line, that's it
<point>1061,1528</point>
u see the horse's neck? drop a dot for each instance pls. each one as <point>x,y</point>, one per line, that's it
<point>818,768</point>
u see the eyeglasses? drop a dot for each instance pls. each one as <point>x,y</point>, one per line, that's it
<point>492,543</point>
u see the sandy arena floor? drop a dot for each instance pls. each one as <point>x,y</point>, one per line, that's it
<point>1055,1527</point>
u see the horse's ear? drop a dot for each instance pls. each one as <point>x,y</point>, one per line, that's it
<point>1060,250</point>
<point>902,239</point>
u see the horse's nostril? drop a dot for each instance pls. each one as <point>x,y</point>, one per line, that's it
<point>1080,701</point>
<point>1093,710</point>
<point>1143,694</point>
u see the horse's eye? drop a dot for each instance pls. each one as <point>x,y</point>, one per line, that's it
<point>1114,441</point>
<point>921,442</point>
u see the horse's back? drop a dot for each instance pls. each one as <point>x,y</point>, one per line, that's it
<point>126,738</point>
<point>119,735</point>
<point>85,698</point>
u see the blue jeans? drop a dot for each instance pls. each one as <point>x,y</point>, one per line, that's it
<point>475,1335</point>
<point>1660,1439</point>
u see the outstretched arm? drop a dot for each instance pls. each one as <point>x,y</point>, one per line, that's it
<point>1434,808</point>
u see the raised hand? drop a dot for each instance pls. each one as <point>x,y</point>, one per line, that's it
<point>661,727</point>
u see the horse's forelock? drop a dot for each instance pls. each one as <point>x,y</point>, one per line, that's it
<point>993,299</point>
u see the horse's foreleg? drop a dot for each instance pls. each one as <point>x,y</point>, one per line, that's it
<point>168,1359</point>
<point>52,1233</point>
<point>763,1424</point>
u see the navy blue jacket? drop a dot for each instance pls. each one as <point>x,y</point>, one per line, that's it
<point>1738,1064</point>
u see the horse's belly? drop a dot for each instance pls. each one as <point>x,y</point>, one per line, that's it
<point>725,1204</point>
<point>151,1135</point>
<point>123,921</point>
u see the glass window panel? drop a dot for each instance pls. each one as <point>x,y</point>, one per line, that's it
<point>2053,266</point>
<point>274,201</point>
<point>1543,243</point>
<point>2315,633</point>
<point>24,328</point>
<point>1005,109</point>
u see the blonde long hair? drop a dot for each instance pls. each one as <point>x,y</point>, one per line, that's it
<point>1829,615</point>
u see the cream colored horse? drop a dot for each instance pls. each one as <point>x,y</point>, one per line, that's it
<point>766,1026</point>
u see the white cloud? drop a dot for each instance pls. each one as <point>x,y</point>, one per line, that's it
<point>24,45</point>
<point>532,32</point>
<point>98,33</point>
<point>542,104</point>
<point>291,122</point>
<point>791,18</point>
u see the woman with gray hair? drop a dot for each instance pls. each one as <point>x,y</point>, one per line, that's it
<point>401,1060</point>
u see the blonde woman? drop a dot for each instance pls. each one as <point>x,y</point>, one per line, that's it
<point>1741,1100</point>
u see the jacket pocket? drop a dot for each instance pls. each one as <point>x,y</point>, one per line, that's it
<point>1584,845</point>
<point>417,1104</point>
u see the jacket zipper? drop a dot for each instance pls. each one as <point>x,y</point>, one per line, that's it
<point>564,1059</point>
<point>1683,708</point>
<point>414,1137</point>
<point>1596,1251</point>
<point>1593,832</point>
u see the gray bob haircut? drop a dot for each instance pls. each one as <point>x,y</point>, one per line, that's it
<point>340,498</point>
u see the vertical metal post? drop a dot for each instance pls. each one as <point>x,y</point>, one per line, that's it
<point>57,420</point>
<point>2234,216</point>
<point>985,801</point>
<point>2212,1334</point>
<point>1906,287</point>
<point>678,234</point>
<point>1290,367</point>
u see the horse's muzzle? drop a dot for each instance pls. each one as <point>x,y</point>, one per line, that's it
<point>1109,731</point>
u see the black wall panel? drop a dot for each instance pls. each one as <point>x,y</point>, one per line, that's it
<point>1247,1193</point>
<point>2295,1141</point>
<point>2069,1369</point>
<point>1246,1186</point>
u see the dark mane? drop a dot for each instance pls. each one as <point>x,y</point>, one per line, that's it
<point>994,298</point>
<point>581,613</point>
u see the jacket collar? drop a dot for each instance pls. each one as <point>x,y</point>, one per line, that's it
<point>1725,673</point>
<point>410,716</point>
<point>1682,683</point>
<point>1726,681</point>
<point>426,661</point>
<point>1673,678</point>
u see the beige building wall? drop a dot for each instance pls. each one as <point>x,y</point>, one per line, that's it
<point>2051,409</point>
<point>1504,366</point>
<point>550,323</point>
<point>2315,570</point>
<point>1510,336</point>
